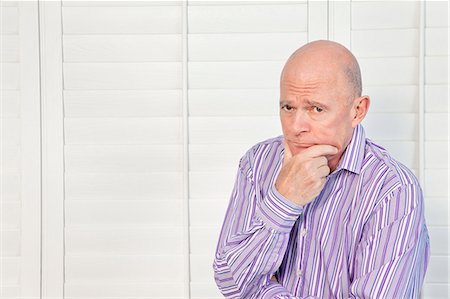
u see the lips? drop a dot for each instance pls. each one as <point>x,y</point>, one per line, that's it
<point>302,145</point>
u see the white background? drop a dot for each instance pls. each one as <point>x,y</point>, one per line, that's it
<point>122,124</point>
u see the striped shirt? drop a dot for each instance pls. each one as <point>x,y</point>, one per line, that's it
<point>364,236</point>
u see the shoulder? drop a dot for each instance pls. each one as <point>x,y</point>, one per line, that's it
<point>391,175</point>
<point>392,193</point>
<point>261,153</point>
<point>399,173</point>
<point>263,147</point>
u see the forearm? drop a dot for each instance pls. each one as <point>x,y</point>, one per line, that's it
<point>274,290</point>
<point>247,257</point>
<point>243,268</point>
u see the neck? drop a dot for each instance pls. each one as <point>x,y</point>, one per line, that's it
<point>333,162</point>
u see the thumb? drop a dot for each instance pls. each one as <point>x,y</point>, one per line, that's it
<point>287,152</point>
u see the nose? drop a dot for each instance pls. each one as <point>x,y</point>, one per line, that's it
<point>301,123</point>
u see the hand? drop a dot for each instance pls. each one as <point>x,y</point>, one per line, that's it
<point>303,176</point>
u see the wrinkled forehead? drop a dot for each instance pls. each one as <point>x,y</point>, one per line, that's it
<point>319,82</point>
<point>306,72</point>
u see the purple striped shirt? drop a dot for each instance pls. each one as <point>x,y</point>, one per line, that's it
<point>364,236</point>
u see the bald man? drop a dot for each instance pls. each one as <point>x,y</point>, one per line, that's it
<point>322,212</point>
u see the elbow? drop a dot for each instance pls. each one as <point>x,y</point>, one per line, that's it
<point>221,276</point>
<point>225,281</point>
<point>218,274</point>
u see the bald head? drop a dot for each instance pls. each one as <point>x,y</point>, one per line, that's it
<point>327,56</point>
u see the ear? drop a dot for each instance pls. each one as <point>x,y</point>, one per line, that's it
<point>360,109</point>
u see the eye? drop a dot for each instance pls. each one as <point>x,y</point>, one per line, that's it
<point>317,109</point>
<point>287,108</point>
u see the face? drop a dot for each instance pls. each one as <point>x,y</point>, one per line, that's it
<point>316,107</point>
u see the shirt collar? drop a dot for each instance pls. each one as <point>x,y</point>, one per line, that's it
<point>353,156</point>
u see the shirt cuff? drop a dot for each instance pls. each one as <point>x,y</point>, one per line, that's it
<point>275,289</point>
<point>277,212</point>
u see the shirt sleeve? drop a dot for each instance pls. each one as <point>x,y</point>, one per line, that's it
<point>393,253</point>
<point>254,236</point>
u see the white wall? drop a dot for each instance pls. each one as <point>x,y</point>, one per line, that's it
<point>142,110</point>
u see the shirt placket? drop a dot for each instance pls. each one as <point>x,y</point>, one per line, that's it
<point>304,238</point>
<point>302,234</point>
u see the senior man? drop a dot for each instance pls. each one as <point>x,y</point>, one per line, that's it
<point>322,212</point>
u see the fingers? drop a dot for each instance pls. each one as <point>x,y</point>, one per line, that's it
<point>303,176</point>
<point>323,171</point>
<point>320,161</point>
<point>320,150</point>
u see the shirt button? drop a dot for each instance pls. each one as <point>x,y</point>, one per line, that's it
<point>303,232</point>
<point>299,272</point>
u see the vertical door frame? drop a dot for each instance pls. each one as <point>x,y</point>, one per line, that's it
<point>52,109</point>
<point>421,108</point>
<point>30,147</point>
<point>339,22</point>
<point>185,124</point>
<point>317,20</point>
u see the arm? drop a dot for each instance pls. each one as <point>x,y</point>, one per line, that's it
<point>393,253</point>
<point>274,290</point>
<point>254,237</point>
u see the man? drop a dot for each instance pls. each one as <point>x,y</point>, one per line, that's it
<point>322,212</point>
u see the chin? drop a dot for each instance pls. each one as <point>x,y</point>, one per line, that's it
<point>296,148</point>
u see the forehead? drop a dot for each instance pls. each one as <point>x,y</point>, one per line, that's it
<point>307,80</point>
<point>310,71</point>
<point>311,88</point>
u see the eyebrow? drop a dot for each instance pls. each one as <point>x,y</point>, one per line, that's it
<point>315,103</point>
<point>308,102</point>
<point>285,102</point>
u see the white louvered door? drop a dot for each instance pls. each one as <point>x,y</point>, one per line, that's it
<point>20,150</point>
<point>123,150</point>
<point>121,140</point>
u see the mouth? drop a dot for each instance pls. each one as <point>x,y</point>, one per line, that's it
<point>302,145</point>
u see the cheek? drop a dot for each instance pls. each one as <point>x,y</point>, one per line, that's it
<point>286,126</point>
<point>334,133</point>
